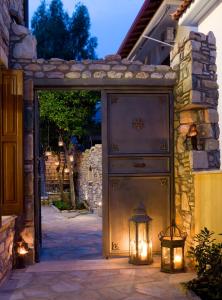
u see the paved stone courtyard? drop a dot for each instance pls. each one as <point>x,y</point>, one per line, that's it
<point>72,268</point>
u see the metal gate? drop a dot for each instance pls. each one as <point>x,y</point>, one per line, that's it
<point>137,163</point>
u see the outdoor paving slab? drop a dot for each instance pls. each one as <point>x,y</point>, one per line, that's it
<point>80,278</point>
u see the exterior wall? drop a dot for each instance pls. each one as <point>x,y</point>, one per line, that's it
<point>212,22</point>
<point>196,99</point>
<point>208,191</point>
<point>90,176</point>
<point>7,7</point>
<point>7,232</point>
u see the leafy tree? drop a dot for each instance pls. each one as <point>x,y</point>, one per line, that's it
<point>68,113</point>
<point>60,36</point>
<point>82,45</point>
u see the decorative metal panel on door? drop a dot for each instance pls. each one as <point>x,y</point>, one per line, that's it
<point>138,164</point>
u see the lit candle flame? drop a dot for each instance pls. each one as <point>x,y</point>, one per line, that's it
<point>22,251</point>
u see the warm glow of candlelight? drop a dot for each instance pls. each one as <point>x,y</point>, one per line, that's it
<point>71,158</point>
<point>60,143</point>
<point>100,204</point>
<point>177,261</point>
<point>57,163</point>
<point>144,248</point>
<point>48,153</point>
<point>22,251</point>
<point>66,170</point>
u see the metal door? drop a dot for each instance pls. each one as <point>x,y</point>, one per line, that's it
<point>137,164</point>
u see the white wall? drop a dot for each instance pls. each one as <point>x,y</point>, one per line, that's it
<point>213,23</point>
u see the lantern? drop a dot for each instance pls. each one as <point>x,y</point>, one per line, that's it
<point>48,151</point>
<point>60,142</point>
<point>71,158</point>
<point>172,249</point>
<point>140,244</point>
<point>66,170</point>
<point>57,163</point>
<point>22,250</point>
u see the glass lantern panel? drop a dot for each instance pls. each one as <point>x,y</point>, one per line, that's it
<point>142,241</point>
<point>132,245</point>
<point>178,258</point>
<point>166,257</point>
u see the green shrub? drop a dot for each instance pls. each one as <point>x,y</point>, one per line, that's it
<point>207,256</point>
<point>62,205</point>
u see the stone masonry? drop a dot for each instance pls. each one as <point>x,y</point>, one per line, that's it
<point>111,70</point>
<point>196,99</point>
<point>7,232</point>
<point>90,176</point>
<point>10,9</point>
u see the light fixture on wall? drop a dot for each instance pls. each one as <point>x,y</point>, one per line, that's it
<point>172,249</point>
<point>48,151</point>
<point>140,242</point>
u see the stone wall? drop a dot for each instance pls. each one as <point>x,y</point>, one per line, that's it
<point>7,232</point>
<point>112,67</point>
<point>90,176</point>
<point>196,99</point>
<point>10,9</point>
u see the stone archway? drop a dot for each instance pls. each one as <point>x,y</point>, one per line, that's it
<point>193,79</point>
<point>109,74</point>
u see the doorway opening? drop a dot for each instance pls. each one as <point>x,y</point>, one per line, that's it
<point>68,175</point>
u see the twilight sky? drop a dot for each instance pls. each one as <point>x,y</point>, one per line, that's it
<point>110,20</point>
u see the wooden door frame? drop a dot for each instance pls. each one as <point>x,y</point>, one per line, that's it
<point>105,89</point>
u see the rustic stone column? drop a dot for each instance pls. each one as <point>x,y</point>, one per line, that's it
<point>196,99</point>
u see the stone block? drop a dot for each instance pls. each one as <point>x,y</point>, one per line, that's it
<point>112,57</point>
<point>33,67</point>
<point>171,75</point>
<point>188,117</point>
<point>47,68</point>
<point>115,75</point>
<point>19,30</point>
<point>55,75</point>
<point>29,184</point>
<point>209,84</point>
<point>28,147</point>
<point>211,144</point>
<point>86,74</point>
<point>63,67</point>
<point>28,118</point>
<point>73,75</point>
<point>128,75</point>
<point>211,116</point>
<point>78,67</point>
<point>156,75</point>
<point>205,131</point>
<point>99,74</point>
<point>185,202</point>
<point>99,67</point>
<point>119,68</point>
<point>199,160</point>
<point>28,90</point>
<point>26,49</point>
<point>197,68</point>
<point>142,75</point>
<point>211,38</point>
<point>195,96</point>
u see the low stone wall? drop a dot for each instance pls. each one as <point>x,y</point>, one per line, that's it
<point>90,176</point>
<point>8,8</point>
<point>7,232</point>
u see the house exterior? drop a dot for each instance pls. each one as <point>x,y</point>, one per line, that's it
<point>153,21</point>
<point>190,17</point>
<point>165,162</point>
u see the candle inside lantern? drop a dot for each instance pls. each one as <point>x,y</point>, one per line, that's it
<point>143,249</point>
<point>22,250</point>
<point>177,261</point>
<point>71,158</point>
